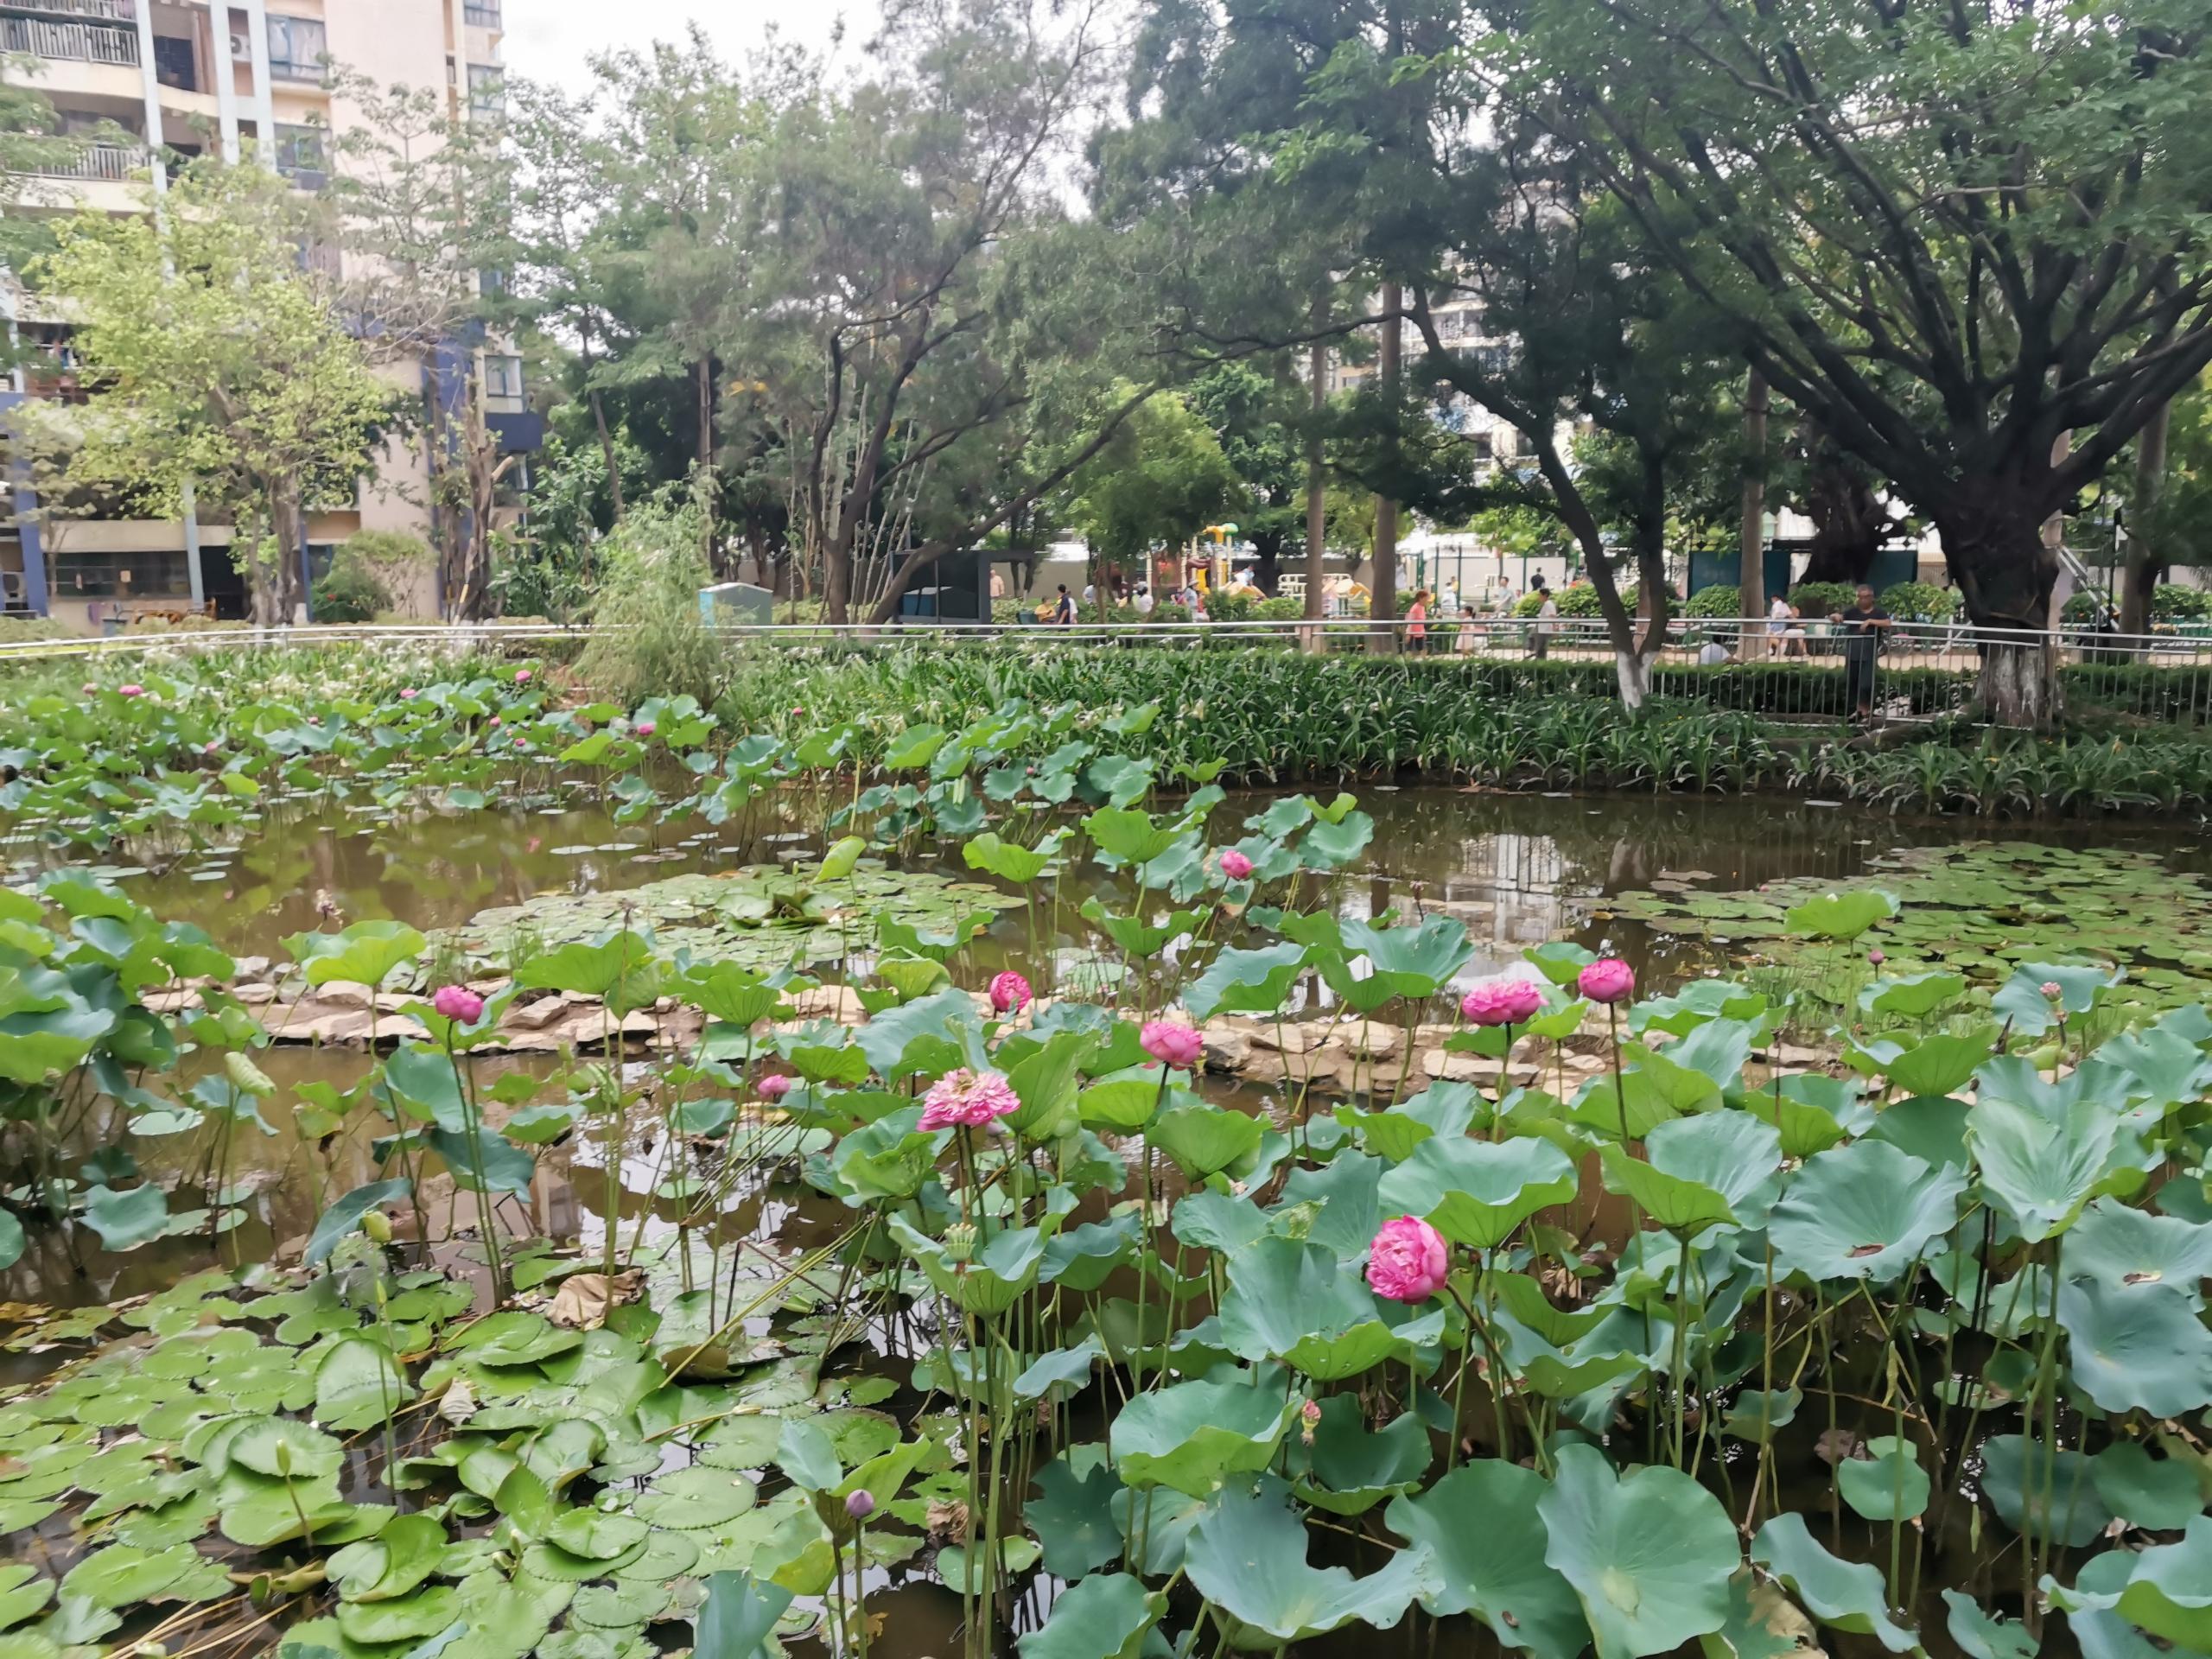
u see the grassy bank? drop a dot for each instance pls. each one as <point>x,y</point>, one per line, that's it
<point>1283,717</point>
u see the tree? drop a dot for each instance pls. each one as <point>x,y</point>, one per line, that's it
<point>421,204</point>
<point>1258,421</point>
<point>2167,504</point>
<point>222,368</point>
<point>1952,235</point>
<point>32,150</point>
<point>1162,477</point>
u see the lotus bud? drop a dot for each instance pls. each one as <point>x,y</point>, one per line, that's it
<point>2053,990</point>
<point>247,1077</point>
<point>378,1226</point>
<point>1309,1418</point>
<point>860,1504</point>
<point>960,1242</point>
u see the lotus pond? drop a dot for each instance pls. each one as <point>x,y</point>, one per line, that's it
<point>735,1199</point>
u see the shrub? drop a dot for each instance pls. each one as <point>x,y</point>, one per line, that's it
<point>1580,600</point>
<point>350,591</point>
<point>1528,604</point>
<point>2083,608</point>
<point>2171,603</point>
<point>1822,598</point>
<point>1720,599</point>
<point>1279,610</point>
<point>1921,602</point>
<point>648,638</point>
<point>1226,607</point>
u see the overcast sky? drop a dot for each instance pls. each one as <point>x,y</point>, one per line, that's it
<point>551,40</point>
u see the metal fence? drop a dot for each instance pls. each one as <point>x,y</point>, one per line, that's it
<point>1924,671</point>
<point>75,42</point>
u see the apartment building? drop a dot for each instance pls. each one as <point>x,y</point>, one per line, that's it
<point>167,79</point>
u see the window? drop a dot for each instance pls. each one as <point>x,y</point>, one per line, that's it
<point>483,14</point>
<point>176,63</point>
<point>502,376</point>
<point>299,152</point>
<point>158,573</point>
<point>297,48</point>
<point>487,92</point>
<point>491,282</point>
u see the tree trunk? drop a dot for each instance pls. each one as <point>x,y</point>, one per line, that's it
<point>1752,573</point>
<point>1992,530</point>
<point>2140,575</point>
<point>1383,592</point>
<point>705,371</point>
<point>607,453</point>
<point>1317,501</point>
<point>1267,561</point>
<point>285,587</point>
<point>1847,521</point>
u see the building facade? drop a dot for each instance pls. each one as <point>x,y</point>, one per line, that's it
<point>168,79</point>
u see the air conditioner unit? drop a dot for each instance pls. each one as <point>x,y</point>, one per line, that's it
<point>241,48</point>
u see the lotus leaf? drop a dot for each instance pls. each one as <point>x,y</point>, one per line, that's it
<point>1073,1515</point>
<point>2141,1347</point>
<point>1984,1636</point>
<point>1887,1484</point>
<point>1103,1618</point>
<point>1246,981</point>
<point>1649,1555</point>
<point>1193,1436</point>
<point>1847,1595</point>
<point>2042,1172</point>
<point>1247,1555</point>
<point>409,1549</point>
<point>1866,1211</point>
<point>2168,1593</point>
<point>1349,1468</point>
<point>1202,1140</point>
<point>1480,1525</point>
<point>2157,1494</point>
<point>2015,1476</point>
<point>1477,1192</point>
<point>2114,1244</point>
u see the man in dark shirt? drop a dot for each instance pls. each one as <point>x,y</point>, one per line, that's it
<point>1864,623</point>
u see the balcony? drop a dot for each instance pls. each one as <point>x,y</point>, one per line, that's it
<point>114,163</point>
<point>110,11</point>
<point>479,15</point>
<point>69,42</point>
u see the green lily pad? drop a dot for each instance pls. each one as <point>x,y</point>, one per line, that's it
<point>1480,1524</point>
<point>1247,1555</point>
<point>1106,1616</point>
<point>1193,1436</point>
<point>1847,1595</point>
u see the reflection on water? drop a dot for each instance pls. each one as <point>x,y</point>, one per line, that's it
<point>1517,870</point>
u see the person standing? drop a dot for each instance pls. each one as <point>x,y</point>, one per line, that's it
<point>1864,622</point>
<point>1539,637</point>
<point>1417,622</point>
<point>1777,625</point>
<point>1064,608</point>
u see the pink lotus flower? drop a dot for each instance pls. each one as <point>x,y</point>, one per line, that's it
<point>1408,1261</point>
<point>134,689</point>
<point>522,742</point>
<point>90,689</point>
<point>860,1504</point>
<point>1235,865</point>
<point>1010,993</point>
<point>313,719</point>
<point>2053,990</point>
<point>774,1086</point>
<point>1171,1043</point>
<point>459,1004</point>
<point>1875,958</point>
<point>969,1100</point>
<point>210,746</point>
<point>1607,980</point>
<point>644,728</point>
<point>1501,1002</point>
<point>408,695</point>
<point>496,721</point>
<point>522,676</point>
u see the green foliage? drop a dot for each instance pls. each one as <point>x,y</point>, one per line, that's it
<point>1723,600</point>
<point>233,375</point>
<point>648,637</point>
<point>1920,601</point>
<point>351,591</point>
<point>1818,599</point>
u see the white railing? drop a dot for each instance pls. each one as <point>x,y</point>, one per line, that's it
<point>73,42</point>
<point>110,161</point>
<point>113,11</point>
